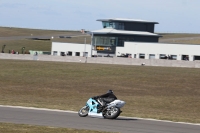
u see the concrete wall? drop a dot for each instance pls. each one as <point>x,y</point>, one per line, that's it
<point>72,47</point>
<point>104,60</point>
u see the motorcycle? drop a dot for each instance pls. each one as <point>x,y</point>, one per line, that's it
<point>94,107</point>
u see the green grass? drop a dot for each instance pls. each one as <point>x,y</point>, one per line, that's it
<point>19,128</point>
<point>153,92</point>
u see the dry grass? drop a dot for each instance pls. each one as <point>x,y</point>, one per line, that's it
<point>39,45</point>
<point>7,32</point>
<point>80,39</point>
<point>180,38</point>
<point>154,92</point>
<point>28,44</point>
<point>36,44</point>
<point>19,128</point>
<point>177,35</point>
<point>185,41</point>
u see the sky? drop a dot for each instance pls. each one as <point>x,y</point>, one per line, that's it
<point>177,16</point>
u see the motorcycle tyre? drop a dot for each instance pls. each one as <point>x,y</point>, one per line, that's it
<point>82,115</point>
<point>113,116</point>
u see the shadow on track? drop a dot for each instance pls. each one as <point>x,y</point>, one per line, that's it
<point>118,119</point>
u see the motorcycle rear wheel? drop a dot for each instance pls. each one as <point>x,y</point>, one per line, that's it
<point>113,113</point>
<point>83,112</point>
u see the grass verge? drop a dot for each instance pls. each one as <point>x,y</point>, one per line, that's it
<point>150,92</point>
<point>20,128</point>
<point>12,31</point>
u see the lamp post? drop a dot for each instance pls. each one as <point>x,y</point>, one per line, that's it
<point>91,43</point>
<point>85,49</point>
<point>23,50</point>
<point>3,47</point>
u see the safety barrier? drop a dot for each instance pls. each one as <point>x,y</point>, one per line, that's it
<point>104,60</point>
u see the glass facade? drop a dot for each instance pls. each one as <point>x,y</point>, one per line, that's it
<point>121,40</point>
<point>104,41</point>
<point>105,44</point>
<point>114,25</point>
<point>111,41</point>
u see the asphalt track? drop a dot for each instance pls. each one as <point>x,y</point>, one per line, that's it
<point>59,118</point>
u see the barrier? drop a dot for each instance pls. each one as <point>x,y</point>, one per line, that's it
<point>104,60</point>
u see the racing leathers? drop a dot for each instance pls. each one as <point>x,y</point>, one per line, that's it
<point>106,98</point>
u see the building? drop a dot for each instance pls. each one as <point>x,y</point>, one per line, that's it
<point>117,31</point>
<point>70,49</point>
<point>140,50</point>
<point>127,38</point>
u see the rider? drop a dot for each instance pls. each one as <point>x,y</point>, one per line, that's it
<point>106,98</point>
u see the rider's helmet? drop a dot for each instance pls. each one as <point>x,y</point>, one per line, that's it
<point>109,91</point>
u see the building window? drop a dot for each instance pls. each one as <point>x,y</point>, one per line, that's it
<point>69,53</point>
<point>173,57</point>
<point>196,57</point>
<point>185,57</point>
<point>104,41</point>
<point>112,42</point>
<point>151,56</point>
<point>62,53</point>
<point>114,25</point>
<point>142,56</point>
<point>77,53</point>
<point>163,56</point>
<point>121,26</point>
<point>85,54</point>
<point>108,24</point>
<point>55,52</point>
<point>120,42</point>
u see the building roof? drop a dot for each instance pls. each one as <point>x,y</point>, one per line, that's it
<point>127,20</point>
<point>125,32</point>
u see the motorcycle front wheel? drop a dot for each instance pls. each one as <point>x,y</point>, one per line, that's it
<point>112,113</point>
<point>83,112</point>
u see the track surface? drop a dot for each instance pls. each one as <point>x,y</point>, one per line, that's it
<point>72,120</point>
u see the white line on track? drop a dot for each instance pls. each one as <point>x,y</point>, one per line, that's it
<point>34,108</point>
<point>67,111</point>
